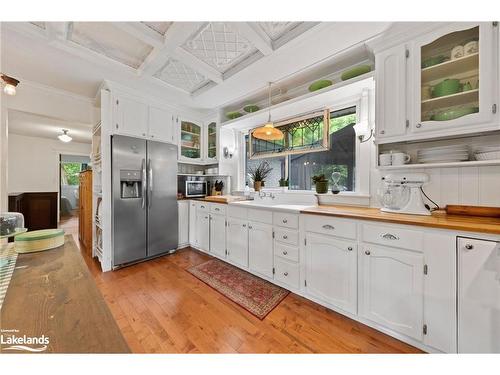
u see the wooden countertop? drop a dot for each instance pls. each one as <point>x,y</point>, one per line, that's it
<point>438,219</point>
<point>224,199</point>
<point>52,293</point>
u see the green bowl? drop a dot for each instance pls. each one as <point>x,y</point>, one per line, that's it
<point>452,114</point>
<point>431,61</point>
<point>446,87</point>
<point>356,71</point>
<point>251,108</point>
<point>321,84</point>
<point>233,115</point>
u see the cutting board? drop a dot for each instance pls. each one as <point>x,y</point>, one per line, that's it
<point>224,198</point>
<point>473,210</point>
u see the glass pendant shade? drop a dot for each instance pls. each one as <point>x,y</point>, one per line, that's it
<point>268,132</point>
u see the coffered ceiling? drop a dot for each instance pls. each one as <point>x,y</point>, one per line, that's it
<point>193,61</point>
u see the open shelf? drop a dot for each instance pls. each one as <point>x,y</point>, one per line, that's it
<point>459,98</point>
<point>451,68</point>
<point>191,133</point>
<point>470,163</point>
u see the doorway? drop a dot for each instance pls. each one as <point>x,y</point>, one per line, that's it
<point>70,167</point>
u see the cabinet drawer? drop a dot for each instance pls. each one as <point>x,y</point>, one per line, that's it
<point>290,253</point>
<point>260,216</point>
<point>390,236</point>
<point>290,237</point>
<point>330,225</point>
<point>201,206</point>
<point>286,272</point>
<point>236,212</point>
<point>218,208</point>
<point>286,220</point>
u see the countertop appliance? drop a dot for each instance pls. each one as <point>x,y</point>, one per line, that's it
<point>195,188</point>
<point>478,295</point>
<point>144,199</point>
<point>402,193</point>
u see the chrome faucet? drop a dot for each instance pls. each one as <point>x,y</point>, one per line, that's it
<point>263,194</point>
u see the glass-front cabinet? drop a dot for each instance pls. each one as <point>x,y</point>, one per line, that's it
<point>212,140</point>
<point>453,71</point>
<point>190,140</point>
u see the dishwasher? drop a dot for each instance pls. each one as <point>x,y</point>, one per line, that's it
<point>478,295</point>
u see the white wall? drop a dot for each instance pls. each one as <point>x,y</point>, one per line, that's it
<point>34,162</point>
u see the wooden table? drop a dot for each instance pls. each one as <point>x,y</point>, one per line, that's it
<point>52,293</point>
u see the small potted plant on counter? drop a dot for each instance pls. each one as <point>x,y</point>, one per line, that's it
<point>321,184</point>
<point>259,174</point>
<point>283,184</point>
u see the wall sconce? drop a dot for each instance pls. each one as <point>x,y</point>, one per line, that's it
<point>9,84</point>
<point>362,132</point>
<point>227,152</point>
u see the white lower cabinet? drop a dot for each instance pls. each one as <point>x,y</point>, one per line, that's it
<point>331,271</point>
<point>218,235</point>
<point>183,215</point>
<point>260,248</point>
<point>392,288</point>
<point>192,223</point>
<point>287,273</point>
<point>202,230</point>
<point>237,241</point>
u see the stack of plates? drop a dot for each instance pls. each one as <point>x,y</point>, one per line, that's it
<point>487,153</point>
<point>443,154</point>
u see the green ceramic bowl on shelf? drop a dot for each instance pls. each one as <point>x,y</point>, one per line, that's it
<point>356,71</point>
<point>446,87</point>
<point>431,61</point>
<point>233,115</point>
<point>321,84</point>
<point>251,108</point>
<point>454,113</point>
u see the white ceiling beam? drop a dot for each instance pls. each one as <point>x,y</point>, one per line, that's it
<point>140,32</point>
<point>255,36</point>
<point>56,30</point>
<point>175,36</point>
<point>200,66</point>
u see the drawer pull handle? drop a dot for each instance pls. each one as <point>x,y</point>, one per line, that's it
<point>389,236</point>
<point>202,206</point>
<point>469,246</point>
<point>285,221</point>
<point>367,252</point>
<point>285,252</point>
<point>328,226</point>
<point>250,227</point>
<point>349,248</point>
<point>217,209</point>
<point>285,237</point>
<point>244,225</point>
<point>285,273</point>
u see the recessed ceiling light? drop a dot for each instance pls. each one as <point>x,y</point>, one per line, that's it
<point>64,137</point>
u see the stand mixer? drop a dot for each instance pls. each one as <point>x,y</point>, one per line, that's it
<point>402,193</point>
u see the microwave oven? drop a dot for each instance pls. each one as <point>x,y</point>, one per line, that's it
<point>196,189</point>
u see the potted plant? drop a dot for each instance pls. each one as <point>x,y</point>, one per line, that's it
<point>321,183</point>
<point>283,183</point>
<point>259,174</point>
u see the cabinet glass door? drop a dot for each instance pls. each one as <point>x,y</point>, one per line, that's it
<point>452,69</point>
<point>190,140</point>
<point>212,140</point>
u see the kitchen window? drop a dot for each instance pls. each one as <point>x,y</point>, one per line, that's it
<point>309,149</point>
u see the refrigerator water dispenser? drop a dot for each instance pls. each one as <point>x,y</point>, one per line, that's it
<point>130,184</point>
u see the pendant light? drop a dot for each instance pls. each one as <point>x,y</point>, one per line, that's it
<point>268,132</point>
<point>64,137</point>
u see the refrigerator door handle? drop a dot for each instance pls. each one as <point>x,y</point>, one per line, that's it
<point>143,178</point>
<point>150,183</point>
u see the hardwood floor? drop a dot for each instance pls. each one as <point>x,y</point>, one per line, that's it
<point>161,308</point>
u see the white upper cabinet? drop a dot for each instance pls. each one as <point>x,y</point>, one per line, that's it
<point>190,140</point>
<point>392,288</point>
<point>260,248</point>
<point>452,78</point>
<point>211,141</point>
<point>441,83</point>
<point>130,117</point>
<point>390,90</point>
<point>331,271</point>
<point>161,127</point>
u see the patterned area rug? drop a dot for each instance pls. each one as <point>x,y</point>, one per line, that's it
<point>252,293</point>
<point>8,259</point>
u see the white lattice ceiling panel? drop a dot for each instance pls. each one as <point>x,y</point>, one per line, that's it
<point>159,27</point>
<point>108,40</point>
<point>276,30</point>
<point>180,75</point>
<point>219,45</point>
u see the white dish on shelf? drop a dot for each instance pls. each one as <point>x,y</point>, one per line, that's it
<point>443,147</point>
<point>440,153</point>
<point>491,155</point>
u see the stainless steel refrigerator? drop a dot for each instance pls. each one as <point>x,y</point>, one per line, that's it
<point>144,193</point>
